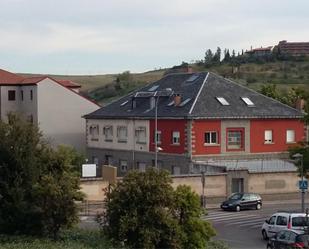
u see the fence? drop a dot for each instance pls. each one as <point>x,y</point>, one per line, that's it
<point>91,208</point>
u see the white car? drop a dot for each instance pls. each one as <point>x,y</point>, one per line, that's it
<point>283,220</point>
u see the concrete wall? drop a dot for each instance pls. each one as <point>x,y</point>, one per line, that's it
<point>272,186</point>
<point>215,185</point>
<point>114,144</point>
<point>271,183</point>
<point>94,189</point>
<point>60,112</point>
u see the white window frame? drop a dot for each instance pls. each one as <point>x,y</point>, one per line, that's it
<point>290,136</point>
<point>159,136</point>
<point>94,132</point>
<point>268,137</point>
<point>108,133</point>
<point>210,138</point>
<point>140,135</point>
<point>122,139</point>
<point>176,137</point>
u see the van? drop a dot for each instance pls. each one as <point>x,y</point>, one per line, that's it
<point>284,220</point>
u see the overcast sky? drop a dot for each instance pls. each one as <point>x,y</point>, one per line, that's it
<point>111,36</point>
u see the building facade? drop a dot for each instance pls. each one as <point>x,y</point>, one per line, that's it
<point>188,118</point>
<point>55,107</point>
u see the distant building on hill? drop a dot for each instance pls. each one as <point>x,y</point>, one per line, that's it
<point>260,51</point>
<point>293,48</point>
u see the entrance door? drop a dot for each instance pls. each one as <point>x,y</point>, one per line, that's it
<point>237,185</point>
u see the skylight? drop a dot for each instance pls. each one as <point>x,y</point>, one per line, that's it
<point>247,101</point>
<point>153,88</point>
<point>184,102</point>
<point>124,103</point>
<point>192,78</point>
<point>222,101</point>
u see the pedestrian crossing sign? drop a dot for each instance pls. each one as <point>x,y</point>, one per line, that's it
<point>303,184</point>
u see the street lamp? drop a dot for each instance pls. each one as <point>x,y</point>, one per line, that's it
<point>301,158</point>
<point>156,131</point>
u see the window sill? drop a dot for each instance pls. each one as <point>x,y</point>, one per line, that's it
<point>290,142</point>
<point>108,140</point>
<point>178,144</point>
<point>140,142</point>
<point>266,143</point>
<point>211,145</point>
<point>94,139</point>
<point>122,141</point>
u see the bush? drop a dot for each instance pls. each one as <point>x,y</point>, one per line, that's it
<point>38,185</point>
<point>144,211</point>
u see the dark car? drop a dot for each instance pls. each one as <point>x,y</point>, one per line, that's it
<point>289,239</point>
<point>239,201</point>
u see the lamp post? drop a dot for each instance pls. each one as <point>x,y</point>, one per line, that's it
<point>301,158</point>
<point>156,132</point>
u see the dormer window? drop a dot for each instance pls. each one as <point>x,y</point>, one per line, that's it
<point>247,101</point>
<point>222,101</point>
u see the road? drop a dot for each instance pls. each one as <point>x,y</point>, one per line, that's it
<point>242,230</point>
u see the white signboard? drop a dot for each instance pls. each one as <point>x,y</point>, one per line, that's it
<point>89,170</point>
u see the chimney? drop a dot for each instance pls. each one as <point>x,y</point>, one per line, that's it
<point>177,99</point>
<point>300,104</point>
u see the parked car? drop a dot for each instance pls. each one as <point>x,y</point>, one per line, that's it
<point>289,239</point>
<point>283,220</point>
<point>239,201</point>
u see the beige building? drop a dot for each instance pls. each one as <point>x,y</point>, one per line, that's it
<point>56,106</point>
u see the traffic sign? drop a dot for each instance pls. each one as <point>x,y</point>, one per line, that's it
<point>303,184</point>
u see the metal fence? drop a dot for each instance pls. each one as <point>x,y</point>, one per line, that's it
<point>91,208</point>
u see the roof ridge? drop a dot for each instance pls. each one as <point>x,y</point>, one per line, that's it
<point>198,94</point>
<point>251,90</point>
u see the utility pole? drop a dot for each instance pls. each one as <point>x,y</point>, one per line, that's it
<point>156,132</point>
<point>203,189</point>
<point>302,184</point>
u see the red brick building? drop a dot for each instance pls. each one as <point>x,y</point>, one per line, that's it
<point>200,118</point>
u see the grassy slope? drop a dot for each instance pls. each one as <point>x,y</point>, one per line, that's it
<point>284,74</point>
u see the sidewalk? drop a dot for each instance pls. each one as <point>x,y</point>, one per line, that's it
<point>265,203</point>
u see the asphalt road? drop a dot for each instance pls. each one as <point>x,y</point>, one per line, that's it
<point>242,230</point>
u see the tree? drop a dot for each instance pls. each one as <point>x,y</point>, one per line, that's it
<point>38,185</point>
<point>57,190</point>
<point>227,56</point>
<point>217,56</point>
<point>301,148</point>
<point>208,58</point>
<point>144,211</point>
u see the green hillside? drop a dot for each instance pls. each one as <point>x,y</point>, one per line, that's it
<point>285,74</point>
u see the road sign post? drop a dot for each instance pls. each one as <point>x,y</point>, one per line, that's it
<point>203,189</point>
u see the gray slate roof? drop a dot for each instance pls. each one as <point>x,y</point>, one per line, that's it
<point>202,90</point>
